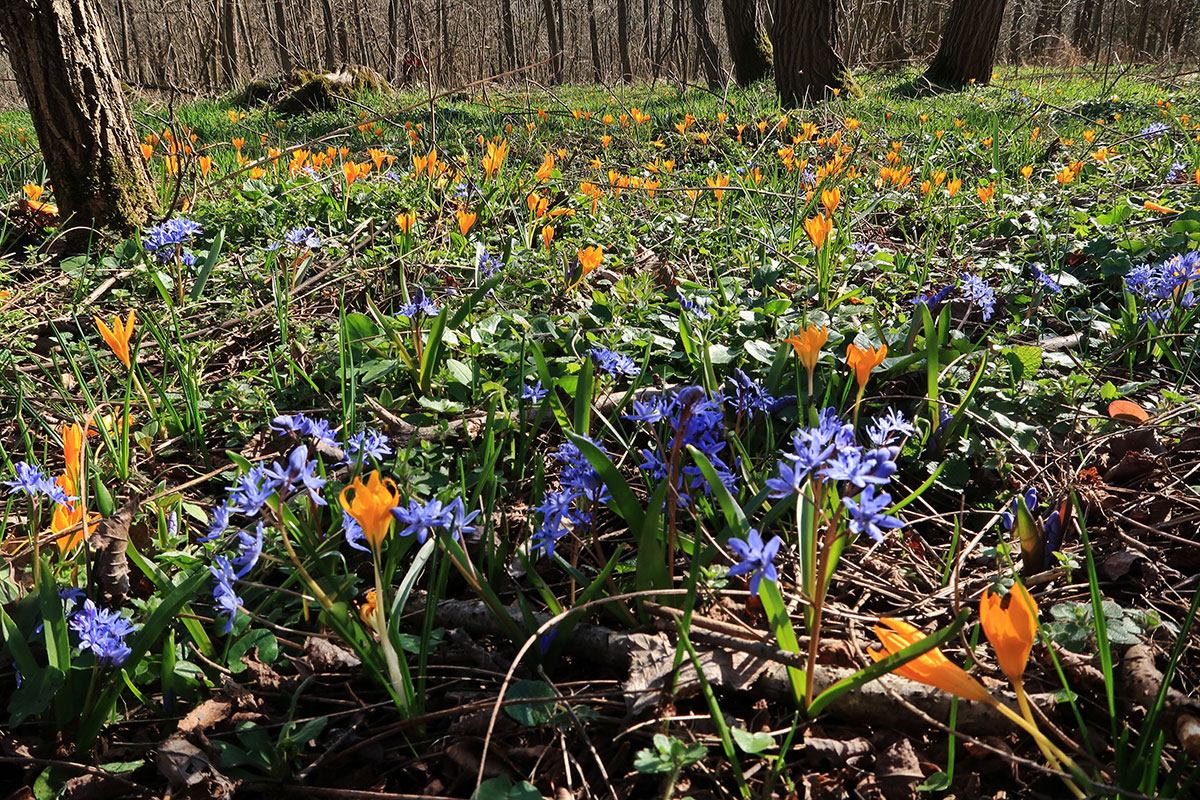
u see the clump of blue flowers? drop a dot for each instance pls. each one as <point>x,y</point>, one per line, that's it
<point>1166,286</point>
<point>102,631</point>
<point>575,504</point>
<point>613,363</point>
<point>32,481</point>
<point>168,239</point>
<point>828,458</point>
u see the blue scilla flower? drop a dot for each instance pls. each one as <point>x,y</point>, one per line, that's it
<point>1154,130</point>
<point>32,481</point>
<point>885,431</point>
<point>289,423</point>
<point>354,533</point>
<point>298,473</point>
<point>421,303</point>
<point>534,392</point>
<point>613,363</point>
<point>866,513</point>
<point>251,491</point>
<point>103,632</point>
<point>1164,286</point>
<point>692,306</point>
<point>1178,173</point>
<point>219,523</point>
<point>977,292</point>
<point>555,510</point>
<point>488,265</point>
<point>1048,283</point>
<point>224,596</point>
<point>757,558</point>
<point>251,548</point>
<point>421,519</point>
<point>165,239</point>
<point>649,408</point>
<point>749,396</point>
<point>933,301</point>
<point>303,237</point>
<point>367,444</point>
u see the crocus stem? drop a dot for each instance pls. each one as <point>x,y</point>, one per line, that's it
<point>395,671</point>
<point>1045,745</point>
<point>142,391</point>
<point>858,402</point>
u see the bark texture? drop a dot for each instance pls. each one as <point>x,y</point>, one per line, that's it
<point>807,65</point>
<point>706,46</point>
<point>749,47</point>
<point>968,49</point>
<point>63,68</point>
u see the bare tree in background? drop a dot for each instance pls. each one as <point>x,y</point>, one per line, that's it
<point>968,49</point>
<point>62,65</point>
<point>749,46</point>
<point>807,64</point>
<point>710,59</point>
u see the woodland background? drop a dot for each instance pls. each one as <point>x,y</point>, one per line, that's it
<point>200,47</point>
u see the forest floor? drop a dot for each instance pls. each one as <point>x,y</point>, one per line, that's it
<point>589,352</point>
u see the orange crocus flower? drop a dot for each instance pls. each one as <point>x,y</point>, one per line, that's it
<point>986,193</point>
<point>589,260</point>
<point>117,337</point>
<point>1152,206</point>
<point>830,199</point>
<point>953,186</point>
<point>818,229</point>
<point>371,504</point>
<point>465,220</point>
<point>1010,624</point>
<point>546,170</point>
<point>547,236</point>
<point>931,668</point>
<point>808,343</point>
<point>72,436</point>
<point>405,220</point>
<point>864,361</point>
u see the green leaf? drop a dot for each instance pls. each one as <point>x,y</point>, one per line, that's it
<point>781,624</point>
<point>535,712</point>
<point>206,267</point>
<point>624,501</point>
<point>752,743</point>
<point>760,350</point>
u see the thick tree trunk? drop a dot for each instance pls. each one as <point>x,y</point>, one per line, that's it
<point>623,39</point>
<point>510,34</point>
<point>281,37</point>
<point>330,41</point>
<point>63,68</point>
<point>968,49</point>
<point>749,47</point>
<point>594,41</point>
<point>229,42</point>
<point>807,64</point>
<point>706,47</point>
<point>552,42</point>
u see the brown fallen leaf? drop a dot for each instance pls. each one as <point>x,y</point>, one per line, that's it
<point>109,541</point>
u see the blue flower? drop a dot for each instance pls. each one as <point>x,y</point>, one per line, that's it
<point>652,409</point>
<point>885,430</point>
<point>555,508</point>
<point>979,293</point>
<point>103,632</point>
<point>298,470</point>
<point>421,519</point>
<point>749,395</point>
<point>224,596</point>
<point>460,521</point>
<point>32,481</point>
<point>757,559</point>
<point>166,239</point>
<point>219,523</point>
<point>860,469</point>
<point>534,392</point>
<point>303,236</point>
<point>354,533</point>
<point>322,431</point>
<point>251,491</point>
<point>613,363</point>
<point>250,551</point>
<point>488,265</point>
<point>865,513</point>
<point>1154,130</point>
<point>1046,281</point>
<point>367,444</point>
<point>421,303</point>
<point>936,299</point>
<point>1178,173</point>
<point>692,306</point>
<point>297,424</point>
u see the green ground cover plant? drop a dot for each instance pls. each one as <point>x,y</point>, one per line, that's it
<point>524,444</point>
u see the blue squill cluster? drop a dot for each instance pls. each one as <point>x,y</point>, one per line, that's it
<point>582,491</point>
<point>829,454</point>
<point>102,631</point>
<point>695,418</point>
<point>32,481</point>
<point>1166,286</point>
<point>168,240</point>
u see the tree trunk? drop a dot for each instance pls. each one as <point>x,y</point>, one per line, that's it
<point>552,42</point>
<point>594,40</point>
<point>623,40</point>
<point>84,128</point>
<point>749,47</point>
<point>807,64</point>
<point>330,42</point>
<point>710,59</point>
<point>228,38</point>
<point>968,48</point>
<point>281,37</point>
<point>510,34</point>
